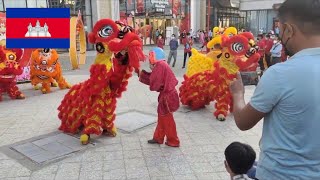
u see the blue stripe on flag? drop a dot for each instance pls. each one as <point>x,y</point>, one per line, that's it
<point>38,43</point>
<point>38,12</point>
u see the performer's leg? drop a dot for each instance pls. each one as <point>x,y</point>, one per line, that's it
<point>170,130</point>
<point>14,93</point>
<point>54,84</point>
<point>184,59</point>
<point>261,64</point>
<point>169,57</point>
<point>45,88</point>
<point>222,104</point>
<point>159,133</point>
<point>93,123</point>
<point>174,58</point>
<point>62,83</point>
<point>268,60</point>
<point>108,125</point>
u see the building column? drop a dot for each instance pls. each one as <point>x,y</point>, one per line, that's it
<point>106,9</point>
<point>203,15</point>
<point>195,15</point>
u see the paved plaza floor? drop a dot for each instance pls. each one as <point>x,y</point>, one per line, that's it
<point>127,156</point>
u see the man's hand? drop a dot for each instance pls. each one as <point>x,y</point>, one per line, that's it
<point>245,116</point>
<point>236,86</point>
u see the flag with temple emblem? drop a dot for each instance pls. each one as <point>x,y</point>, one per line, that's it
<point>38,28</point>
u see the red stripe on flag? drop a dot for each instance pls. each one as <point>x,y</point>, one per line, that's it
<point>57,27</point>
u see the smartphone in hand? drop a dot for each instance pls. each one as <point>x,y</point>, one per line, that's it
<point>249,78</point>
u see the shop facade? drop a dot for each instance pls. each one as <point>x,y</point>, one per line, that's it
<point>225,13</point>
<point>146,16</point>
<point>261,15</point>
<point>251,15</point>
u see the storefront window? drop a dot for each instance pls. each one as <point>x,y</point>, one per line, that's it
<point>261,21</point>
<point>37,3</point>
<point>15,4</point>
<point>146,16</point>
<point>1,6</point>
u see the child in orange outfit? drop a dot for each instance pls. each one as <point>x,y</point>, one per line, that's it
<point>163,80</point>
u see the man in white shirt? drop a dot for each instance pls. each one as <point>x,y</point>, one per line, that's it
<point>276,51</point>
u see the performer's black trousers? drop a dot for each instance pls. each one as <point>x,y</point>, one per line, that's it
<point>261,64</point>
<point>185,58</point>
<point>268,60</point>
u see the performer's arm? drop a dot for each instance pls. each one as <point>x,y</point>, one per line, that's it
<point>144,77</point>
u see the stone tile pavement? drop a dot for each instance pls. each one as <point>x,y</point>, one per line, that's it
<point>127,156</point>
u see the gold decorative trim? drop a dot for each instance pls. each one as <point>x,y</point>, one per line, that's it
<point>76,59</point>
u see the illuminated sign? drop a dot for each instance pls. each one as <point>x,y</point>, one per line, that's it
<point>160,5</point>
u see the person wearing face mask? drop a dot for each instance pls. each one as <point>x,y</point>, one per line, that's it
<point>276,51</point>
<point>287,97</point>
<point>173,50</point>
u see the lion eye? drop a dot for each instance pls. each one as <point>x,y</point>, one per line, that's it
<point>105,32</point>
<point>227,55</point>
<point>11,57</point>
<point>100,48</point>
<point>237,47</point>
<point>46,50</point>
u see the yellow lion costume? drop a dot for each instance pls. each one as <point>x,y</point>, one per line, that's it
<point>46,70</point>
<point>208,76</point>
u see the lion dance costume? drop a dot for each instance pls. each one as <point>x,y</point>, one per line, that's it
<point>90,106</point>
<point>208,75</point>
<point>46,70</point>
<point>9,69</point>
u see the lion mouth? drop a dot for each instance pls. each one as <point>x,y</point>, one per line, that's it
<point>42,77</point>
<point>44,68</point>
<point>7,76</point>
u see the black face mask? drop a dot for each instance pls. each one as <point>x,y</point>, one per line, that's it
<point>286,51</point>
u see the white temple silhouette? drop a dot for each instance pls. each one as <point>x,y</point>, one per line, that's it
<point>38,31</point>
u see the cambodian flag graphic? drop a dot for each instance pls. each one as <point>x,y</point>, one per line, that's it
<point>38,28</point>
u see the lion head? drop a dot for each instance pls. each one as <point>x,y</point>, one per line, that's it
<point>44,63</point>
<point>238,52</point>
<point>9,64</point>
<point>116,39</point>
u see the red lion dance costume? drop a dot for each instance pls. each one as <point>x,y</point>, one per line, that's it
<point>90,106</point>
<point>9,69</point>
<point>208,76</point>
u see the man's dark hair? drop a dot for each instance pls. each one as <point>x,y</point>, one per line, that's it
<point>305,13</point>
<point>173,35</point>
<point>240,157</point>
<point>268,36</point>
<point>260,35</point>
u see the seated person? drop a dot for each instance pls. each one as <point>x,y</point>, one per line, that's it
<point>239,160</point>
